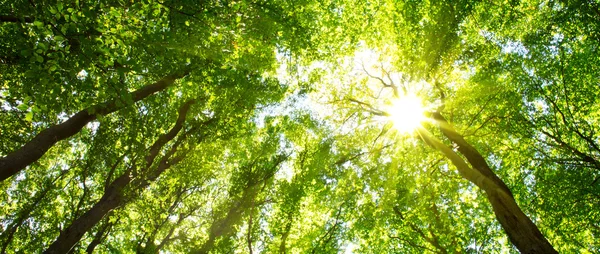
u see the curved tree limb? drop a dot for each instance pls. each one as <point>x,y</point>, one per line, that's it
<point>40,144</point>
<point>521,231</point>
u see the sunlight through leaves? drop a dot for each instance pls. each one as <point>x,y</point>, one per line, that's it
<point>406,113</point>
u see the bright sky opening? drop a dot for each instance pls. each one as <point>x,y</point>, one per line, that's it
<point>407,113</point>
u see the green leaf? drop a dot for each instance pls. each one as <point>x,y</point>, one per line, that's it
<point>29,116</point>
<point>23,107</point>
<point>38,58</point>
<point>43,46</point>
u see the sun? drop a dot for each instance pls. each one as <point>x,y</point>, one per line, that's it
<point>407,113</point>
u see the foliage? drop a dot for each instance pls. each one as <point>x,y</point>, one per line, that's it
<point>270,130</point>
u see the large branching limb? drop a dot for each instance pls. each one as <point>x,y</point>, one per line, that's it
<point>112,199</point>
<point>521,231</point>
<point>163,139</point>
<point>42,142</point>
<point>473,156</point>
<point>463,168</point>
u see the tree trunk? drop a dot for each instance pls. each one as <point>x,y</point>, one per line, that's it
<point>472,155</point>
<point>41,143</point>
<point>521,231</point>
<point>111,199</point>
<point>114,196</point>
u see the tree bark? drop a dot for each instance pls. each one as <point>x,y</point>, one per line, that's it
<point>15,19</point>
<point>41,143</point>
<point>472,155</point>
<point>521,231</point>
<point>114,196</point>
<point>111,199</point>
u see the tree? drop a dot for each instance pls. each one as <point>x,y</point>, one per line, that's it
<point>299,127</point>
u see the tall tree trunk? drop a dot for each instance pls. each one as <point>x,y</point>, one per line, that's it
<point>111,199</point>
<point>114,196</point>
<point>521,231</point>
<point>42,142</point>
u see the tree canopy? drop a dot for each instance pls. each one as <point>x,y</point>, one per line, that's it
<point>271,126</point>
